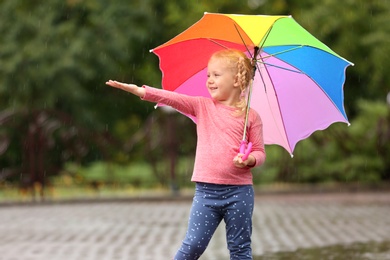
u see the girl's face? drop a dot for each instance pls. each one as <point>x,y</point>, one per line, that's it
<point>222,82</point>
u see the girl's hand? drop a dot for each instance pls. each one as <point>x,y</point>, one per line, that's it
<point>134,89</point>
<point>238,162</point>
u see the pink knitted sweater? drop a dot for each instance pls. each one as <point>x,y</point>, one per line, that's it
<point>219,134</point>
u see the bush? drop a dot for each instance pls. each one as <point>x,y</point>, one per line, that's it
<point>137,174</point>
<point>358,153</point>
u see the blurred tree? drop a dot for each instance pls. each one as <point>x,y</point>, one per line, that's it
<point>358,30</point>
<point>56,56</point>
<point>49,140</point>
<point>59,54</point>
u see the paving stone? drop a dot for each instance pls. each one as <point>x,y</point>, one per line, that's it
<point>153,230</point>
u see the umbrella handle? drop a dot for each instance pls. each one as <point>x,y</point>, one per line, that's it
<point>246,150</point>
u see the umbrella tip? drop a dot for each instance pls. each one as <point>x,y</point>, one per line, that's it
<point>292,156</point>
<point>151,50</point>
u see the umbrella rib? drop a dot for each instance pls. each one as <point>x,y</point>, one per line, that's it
<point>262,42</point>
<point>279,67</point>
<point>220,44</point>
<point>281,52</point>
<point>246,47</point>
<point>275,55</point>
<point>272,111</point>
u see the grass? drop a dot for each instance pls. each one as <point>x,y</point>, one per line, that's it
<point>74,192</point>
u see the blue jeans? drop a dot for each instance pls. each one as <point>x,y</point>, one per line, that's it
<point>212,203</point>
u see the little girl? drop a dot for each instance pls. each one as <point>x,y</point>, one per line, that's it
<point>224,188</point>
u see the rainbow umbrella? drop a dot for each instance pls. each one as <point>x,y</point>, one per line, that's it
<point>298,84</point>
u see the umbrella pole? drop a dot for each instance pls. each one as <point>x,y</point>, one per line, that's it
<point>248,103</point>
<point>243,149</point>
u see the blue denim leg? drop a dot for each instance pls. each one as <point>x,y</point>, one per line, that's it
<point>210,205</point>
<point>204,219</point>
<point>238,219</point>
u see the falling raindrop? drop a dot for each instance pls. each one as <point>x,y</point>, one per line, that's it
<point>388,98</point>
<point>253,4</point>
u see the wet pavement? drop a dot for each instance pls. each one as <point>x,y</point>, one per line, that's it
<point>153,228</point>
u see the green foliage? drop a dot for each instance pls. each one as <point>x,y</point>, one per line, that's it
<point>97,173</point>
<point>59,54</point>
<point>56,55</point>
<point>137,174</point>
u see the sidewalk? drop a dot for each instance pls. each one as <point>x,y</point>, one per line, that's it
<point>153,228</point>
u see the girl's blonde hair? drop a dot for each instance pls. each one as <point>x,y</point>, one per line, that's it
<point>244,68</point>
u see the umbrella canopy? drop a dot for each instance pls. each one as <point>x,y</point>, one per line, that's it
<point>298,84</point>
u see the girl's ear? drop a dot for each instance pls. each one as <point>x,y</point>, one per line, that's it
<point>236,84</point>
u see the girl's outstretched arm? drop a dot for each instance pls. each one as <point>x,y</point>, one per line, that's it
<point>134,89</point>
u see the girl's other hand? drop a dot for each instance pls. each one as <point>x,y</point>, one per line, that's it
<point>238,162</point>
